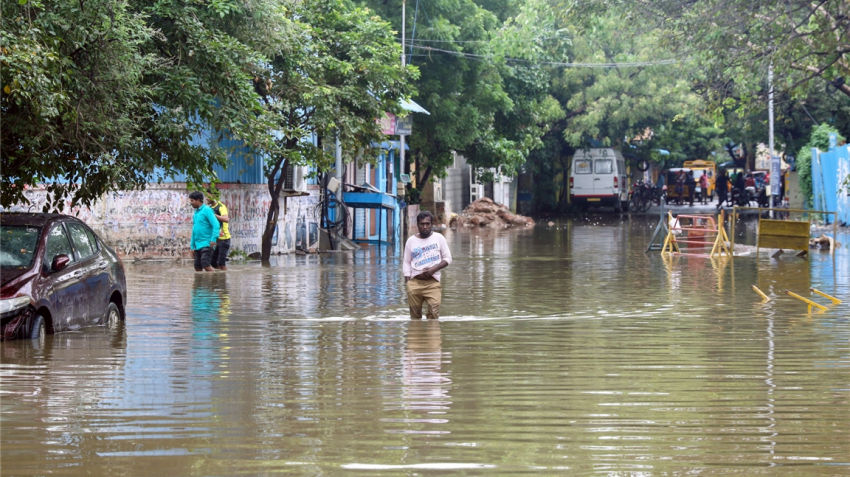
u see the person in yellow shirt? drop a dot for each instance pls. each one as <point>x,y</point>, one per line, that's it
<point>222,248</point>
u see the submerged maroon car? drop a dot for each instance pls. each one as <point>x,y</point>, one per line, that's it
<point>56,275</point>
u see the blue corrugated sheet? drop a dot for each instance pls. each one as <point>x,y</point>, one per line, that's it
<point>829,169</point>
<point>244,166</point>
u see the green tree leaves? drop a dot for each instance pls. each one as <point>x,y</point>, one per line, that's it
<point>342,71</point>
<point>113,94</point>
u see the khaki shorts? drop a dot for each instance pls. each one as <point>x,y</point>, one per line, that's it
<point>420,291</point>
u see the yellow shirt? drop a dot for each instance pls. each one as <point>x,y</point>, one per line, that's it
<point>221,209</point>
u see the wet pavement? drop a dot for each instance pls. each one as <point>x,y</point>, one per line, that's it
<point>563,350</point>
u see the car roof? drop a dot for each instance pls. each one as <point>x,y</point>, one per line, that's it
<point>30,218</point>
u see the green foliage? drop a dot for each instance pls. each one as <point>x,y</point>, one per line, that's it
<point>688,137</point>
<point>735,42</point>
<point>820,140</point>
<point>463,95</point>
<point>113,94</point>
<point>640,103</point>
<point>342,74</point>
<point>610,104</point>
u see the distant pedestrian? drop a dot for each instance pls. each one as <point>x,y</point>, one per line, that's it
<point>721,184</point>
<point>425,254</point>
<point>680,187</point>
<point>222,246</point>
<point>692,185</point>
<point>740,183</point>
<point>205,230</point>
<point>659,184</point>
<point>703,185</point>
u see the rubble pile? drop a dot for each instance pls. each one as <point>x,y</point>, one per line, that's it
<point>486,213</point>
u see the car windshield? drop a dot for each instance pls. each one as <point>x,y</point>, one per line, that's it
<point>17,245</point>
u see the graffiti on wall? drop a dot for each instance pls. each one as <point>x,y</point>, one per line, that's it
<point>301,227</point>
<point>157,221</point>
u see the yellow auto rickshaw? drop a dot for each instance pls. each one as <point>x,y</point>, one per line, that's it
<point>701,167</point>
<point>671,180</point>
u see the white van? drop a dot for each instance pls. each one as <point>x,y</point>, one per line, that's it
<point>598,178</point>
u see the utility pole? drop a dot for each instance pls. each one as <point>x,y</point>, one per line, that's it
<point>774,159</point>
<point>401,136</point>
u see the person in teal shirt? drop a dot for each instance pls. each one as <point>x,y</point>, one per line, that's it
<point>205,230</point>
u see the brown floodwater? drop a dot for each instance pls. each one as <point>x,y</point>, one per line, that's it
<point>562,350</point>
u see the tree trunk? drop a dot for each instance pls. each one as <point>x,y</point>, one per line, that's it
<point>424,179</point>
<point>750,150</point>
<point>565,180</point>
<point>271,224</point>
<point>274,206</point>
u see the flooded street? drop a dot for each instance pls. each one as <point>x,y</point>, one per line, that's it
<point>561,351</point>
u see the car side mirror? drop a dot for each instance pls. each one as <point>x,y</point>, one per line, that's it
<point>59,262</point>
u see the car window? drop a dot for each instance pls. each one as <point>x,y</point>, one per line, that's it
<point>57,244</point>
<point>93,240</point>
<point>82,241</point>
<point>583,167</point>
<point>604,166</point>
<point>17,245</point>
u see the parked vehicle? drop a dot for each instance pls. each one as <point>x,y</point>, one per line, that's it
<point>701,167</point>
<point>56,275</point>
<point>598,178</point>
<point>672,193</point>
<point>643,195</point>
<point>760,178</point>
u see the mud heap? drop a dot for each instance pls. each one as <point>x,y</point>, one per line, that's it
<point>486,213</point>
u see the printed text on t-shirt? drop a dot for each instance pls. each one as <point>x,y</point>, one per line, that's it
<point>424,256</point>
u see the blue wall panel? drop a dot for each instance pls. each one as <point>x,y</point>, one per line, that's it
<point>829,169</point>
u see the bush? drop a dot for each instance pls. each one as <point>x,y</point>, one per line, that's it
<point>820,140</point>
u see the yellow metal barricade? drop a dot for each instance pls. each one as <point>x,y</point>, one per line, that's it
<point>782,234</point>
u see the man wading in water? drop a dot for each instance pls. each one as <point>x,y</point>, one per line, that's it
<point>205,230</point>
<point>425,254</point>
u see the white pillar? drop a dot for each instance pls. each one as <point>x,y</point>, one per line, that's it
<point>775,166</point>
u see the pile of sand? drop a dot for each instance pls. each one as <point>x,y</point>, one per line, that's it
<point>486,213</point>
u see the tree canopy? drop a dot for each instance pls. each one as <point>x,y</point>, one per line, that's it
<point>342,74</point>
<point>113,94</point>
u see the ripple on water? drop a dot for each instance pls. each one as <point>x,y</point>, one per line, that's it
<point>563,350</point>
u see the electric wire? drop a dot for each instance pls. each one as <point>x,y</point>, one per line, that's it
<point>626,64</point>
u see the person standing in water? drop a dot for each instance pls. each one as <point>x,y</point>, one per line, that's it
<point>205,230</point>
<point>222,246</point>
<point>425,254</point>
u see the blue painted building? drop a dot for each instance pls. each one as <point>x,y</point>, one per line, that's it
<point>374,202</point>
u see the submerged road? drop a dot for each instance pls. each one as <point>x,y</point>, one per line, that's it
<point>562,350</point>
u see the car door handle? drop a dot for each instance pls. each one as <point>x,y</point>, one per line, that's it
<point>598,179</point>
<point>77,274</point>
<point>102,264</point>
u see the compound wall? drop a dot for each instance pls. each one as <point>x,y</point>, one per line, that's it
<point>157,222</point>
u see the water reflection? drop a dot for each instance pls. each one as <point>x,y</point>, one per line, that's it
<point>563,350</point>
<point>426,383</point>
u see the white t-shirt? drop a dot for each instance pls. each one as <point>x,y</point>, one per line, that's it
<point>420,254</point>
